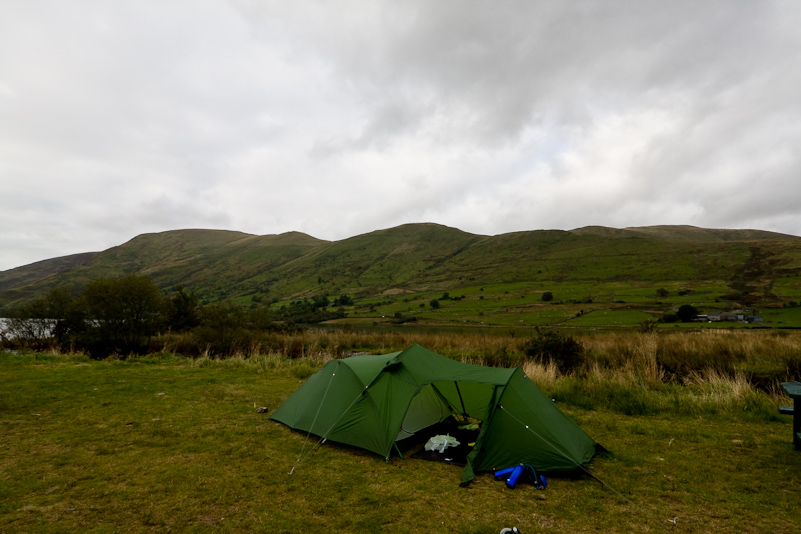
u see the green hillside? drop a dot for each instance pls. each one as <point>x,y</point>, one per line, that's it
<point>41,270</point>
<point>627,274</point>
<point>395,260</point>
<point>206,261</point>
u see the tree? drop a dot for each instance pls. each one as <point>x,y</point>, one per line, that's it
<point>53,319</point>
<point>434,303</point>
<point>66,309</point>
<point>320,302</point>
<point>686,313</point>
<point>343,300</point>
<point>222,329</point>
<point>182,310</point>
<point>124,313</point>
<point>29,325</point>
<point>662,292</point>
<point>547,296</point>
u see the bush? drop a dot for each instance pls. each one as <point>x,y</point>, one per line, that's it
<point>343,300</point>
<point>687,313</point>
<point>221,332</point>
<point>547,296</point>
<point>551,346</point>
<point>647,327</point>
<point>399,318</point>
<point>669,317</point>
<point>794,367</point>
<point>501,356</point>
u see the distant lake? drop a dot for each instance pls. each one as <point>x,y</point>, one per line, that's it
<point>4,324</point>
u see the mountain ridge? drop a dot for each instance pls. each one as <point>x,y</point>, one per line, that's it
<point>223,264</point>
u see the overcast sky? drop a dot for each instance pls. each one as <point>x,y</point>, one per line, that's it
<point>337,118</point>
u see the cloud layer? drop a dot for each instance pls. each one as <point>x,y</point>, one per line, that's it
<point>339,118</point>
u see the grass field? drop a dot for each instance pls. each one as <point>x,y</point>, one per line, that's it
<point>599,304</point>
<point>166,444</point>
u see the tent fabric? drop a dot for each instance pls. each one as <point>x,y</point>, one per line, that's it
<point>373,401</point>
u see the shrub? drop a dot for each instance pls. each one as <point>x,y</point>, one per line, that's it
<point>794,367</point>
<point>343,300</point>
<point>647,327</point>
<point>547,296</point>
<point>669,317</point>
<point>687,313</point>
<point>551,346</point>
<point>221,331</point>
<point>501,356</point>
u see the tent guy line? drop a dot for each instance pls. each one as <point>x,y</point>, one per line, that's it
<point>325,435</point>
<point>554,447</point>
<point>305,441</point>
<point>584,469</point>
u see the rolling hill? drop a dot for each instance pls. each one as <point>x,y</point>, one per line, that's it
<point>416,259</point>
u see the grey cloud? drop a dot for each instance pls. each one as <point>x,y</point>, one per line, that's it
<point>504,64</point>
<point>338,118</point>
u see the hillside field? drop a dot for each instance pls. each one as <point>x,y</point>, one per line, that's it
<point>575,305</point>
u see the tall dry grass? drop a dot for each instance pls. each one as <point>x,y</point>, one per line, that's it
<point>682,372</point>
<point>762,357</point>
<point>687,372</point>
<point>654,358</point>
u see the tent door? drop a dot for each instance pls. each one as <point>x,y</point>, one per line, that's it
<point>425,409</point>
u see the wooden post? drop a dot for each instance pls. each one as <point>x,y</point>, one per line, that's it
<point>793,389</point>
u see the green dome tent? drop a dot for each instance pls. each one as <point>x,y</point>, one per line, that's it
<point>373,401</point>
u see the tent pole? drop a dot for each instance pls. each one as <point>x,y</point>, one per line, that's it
<point>324,437</point>
<point>322,401</point>
<point>444,398</point>
<point>464,410</point>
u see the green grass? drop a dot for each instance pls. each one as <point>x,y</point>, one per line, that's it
<point>782,316</point>
<point>580,304</point>
<point>611,318</point>
<point>171,445</point>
